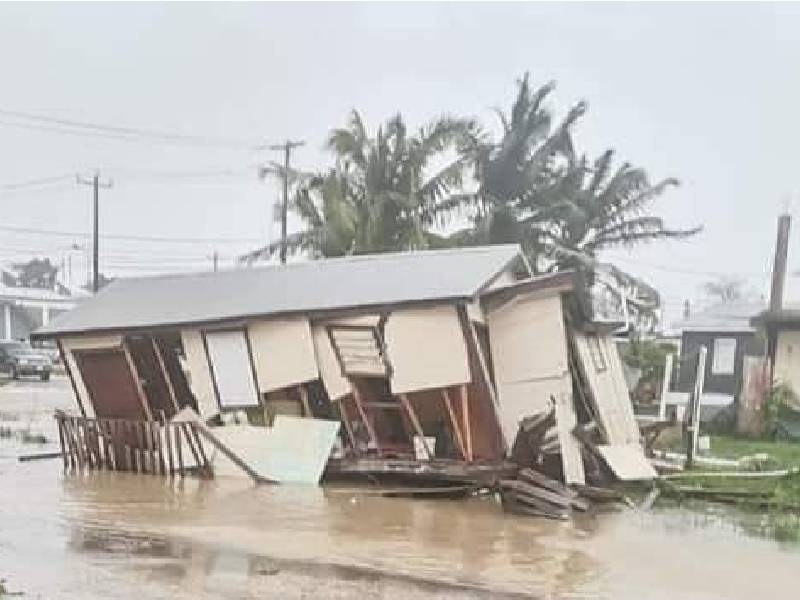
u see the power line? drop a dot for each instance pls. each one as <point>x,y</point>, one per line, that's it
<point>35,182</point>
<point>70,126</point>
<point>135,238</point>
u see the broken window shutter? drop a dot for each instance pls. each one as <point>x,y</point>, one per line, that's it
<point>359,350</point>
<point>232,369</point>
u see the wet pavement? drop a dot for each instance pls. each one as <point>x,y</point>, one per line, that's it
<point>111,535</point>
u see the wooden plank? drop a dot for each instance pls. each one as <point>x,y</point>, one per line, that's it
<point>155,440</point>
<point>178,450</point>
<point>627,462</point>
<point>127,430</point>
<point>94,435</point>
<point>304,400</point>
<point>190,443</point>
<point>165,373</point>
<point>464,395</point>
<point>367,423</point>
<point>512,505</point>
<point>454,425</point>
<point>412,416</point>
<point>80,451</point>
<point>71,376</point>
<point>542,507</point>
<point>541,480</point>
<point>523,489</point>
<point>137,380</point>
<point>168,441</point>
<point>476,345</point>
<point>64,453</point>
<point>200,449</point>
<point>347,425</point>
<point>111,457</point>
<point>140,453</point>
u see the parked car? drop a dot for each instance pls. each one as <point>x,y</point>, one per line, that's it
<point>49,348</point>
<point>19,358</point>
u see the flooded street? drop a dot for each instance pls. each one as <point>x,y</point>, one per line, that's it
<point>112,535</point>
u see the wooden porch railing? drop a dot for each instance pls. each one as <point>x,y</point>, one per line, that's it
<point>154,447</point>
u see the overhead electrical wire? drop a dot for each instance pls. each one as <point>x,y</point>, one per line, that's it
<point>36,182</point>
<point>60,125</point>
<point>139,238</point>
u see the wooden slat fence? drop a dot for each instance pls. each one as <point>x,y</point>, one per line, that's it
<point>153,447</point>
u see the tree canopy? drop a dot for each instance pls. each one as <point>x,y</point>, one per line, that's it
<point>525,185</point>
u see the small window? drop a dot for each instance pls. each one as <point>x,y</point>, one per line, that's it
<point>229,358</point>
<point>724,360</point>
<point>359,350</point>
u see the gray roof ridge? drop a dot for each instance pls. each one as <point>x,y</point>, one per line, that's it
<point>322,262</point>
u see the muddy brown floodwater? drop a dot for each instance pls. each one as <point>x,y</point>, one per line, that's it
<point>117,536</point>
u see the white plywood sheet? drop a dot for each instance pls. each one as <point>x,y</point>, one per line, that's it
<point>198,374</point>
<point>293,450</point>
<point>527,339</point>
<point>283,353</point>
<point>602,367</point>
<point>426,349</point>
<point>628,462</point>
<point>231,368</point>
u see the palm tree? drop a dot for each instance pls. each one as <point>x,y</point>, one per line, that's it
<point>379,196</point>
<point>590,209</point>
<point>515,173</point>
<point>560,209</point>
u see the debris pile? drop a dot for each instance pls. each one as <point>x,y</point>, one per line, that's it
<point>538,488</point>
<point>535,494</point>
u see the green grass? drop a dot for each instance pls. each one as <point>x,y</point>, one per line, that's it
<point>782,455</point>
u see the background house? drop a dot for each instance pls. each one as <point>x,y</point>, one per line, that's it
<point>726,331</point>
<point>26,304</point>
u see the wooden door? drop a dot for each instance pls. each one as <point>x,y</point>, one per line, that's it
<point>110,383</point>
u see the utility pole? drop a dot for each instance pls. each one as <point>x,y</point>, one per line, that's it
<point>215,260</point>
<point>96,185</point>
<point>287,148</point>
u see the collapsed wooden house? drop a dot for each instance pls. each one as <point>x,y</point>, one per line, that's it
<point>426,363</point>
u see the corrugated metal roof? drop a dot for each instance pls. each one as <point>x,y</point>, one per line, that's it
<point>724,317</point>
<point>279,289</point>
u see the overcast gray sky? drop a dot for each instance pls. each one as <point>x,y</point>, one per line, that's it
<point>707,93</point>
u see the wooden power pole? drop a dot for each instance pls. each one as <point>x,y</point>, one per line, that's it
<point>96,185</point>
<point>287,148</point>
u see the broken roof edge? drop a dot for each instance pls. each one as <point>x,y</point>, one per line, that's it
<point>312,315</point>
<point>562,281</point>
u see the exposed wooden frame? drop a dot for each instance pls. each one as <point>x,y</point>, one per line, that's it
<point>463,392</point>
<point>135,372</point>
<point>364,417</point>
<point>301,389</point>
<point>473,344</point>
<point>448,403</point>
<point>165,373</point>
<point>412,416</point>
<point>345,416</point>
<point>71,376</point>
<point>482,360</point>
<point>242,329</point>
